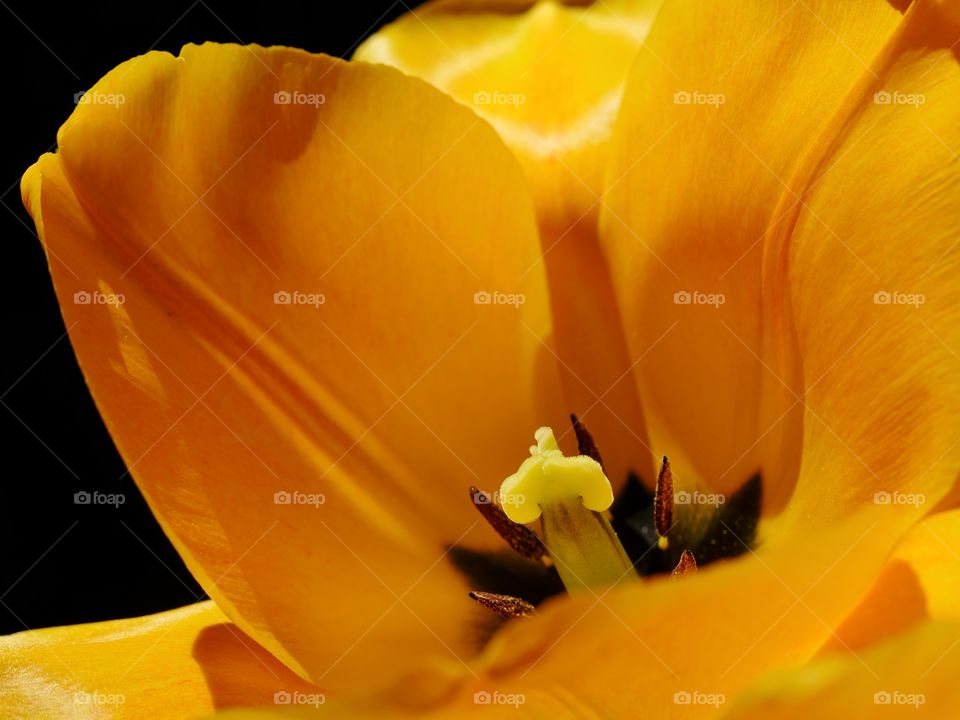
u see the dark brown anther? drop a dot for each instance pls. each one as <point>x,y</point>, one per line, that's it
<point>686,566</point>
<point>521,538</point>
<point>663,501</point>
<point>504,605</point>
<point>585,444</point>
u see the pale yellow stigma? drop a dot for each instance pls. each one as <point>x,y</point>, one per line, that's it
<point>569,495</point>
<point>548,477</point>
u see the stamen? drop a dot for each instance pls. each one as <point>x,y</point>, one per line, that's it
<point>569,495</point>
<point>663,504</point>
<point>521,538</point>
<point>504,605</point>
<point>686,566</point>
<point>585,444</point>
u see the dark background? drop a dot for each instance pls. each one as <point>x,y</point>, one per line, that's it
<point>64,563</point>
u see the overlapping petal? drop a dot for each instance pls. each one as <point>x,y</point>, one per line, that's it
<point>181,663</point>
<point>549,77</point>
<point>268,263</point>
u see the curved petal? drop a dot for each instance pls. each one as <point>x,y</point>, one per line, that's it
<point>268,268</point>
<point>549,78</point>
<point>181,663</point>
<point>911,676</point>
<point>920,581</point>
<point>702,152</point>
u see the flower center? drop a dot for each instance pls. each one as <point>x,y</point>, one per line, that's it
<point>587,539</point>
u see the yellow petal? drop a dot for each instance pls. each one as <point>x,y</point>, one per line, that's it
<point>913,675</point>
<point>310,460</point>
<point>717,111</point>
<point>549,78</point>
<point>176,664</point>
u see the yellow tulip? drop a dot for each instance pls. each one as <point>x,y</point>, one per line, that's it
<point>344,293</point>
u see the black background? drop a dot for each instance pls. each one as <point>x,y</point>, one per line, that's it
<point>63,563</point>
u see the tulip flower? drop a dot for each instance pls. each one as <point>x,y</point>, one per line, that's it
<point>722,234</point>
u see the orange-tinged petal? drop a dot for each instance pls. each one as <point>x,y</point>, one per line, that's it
<point>228,175</point>
<point>921,580</point>
<point>717,111</point>
<point>913,675</point>
<point>549,78</point>
<point>181,663</point>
